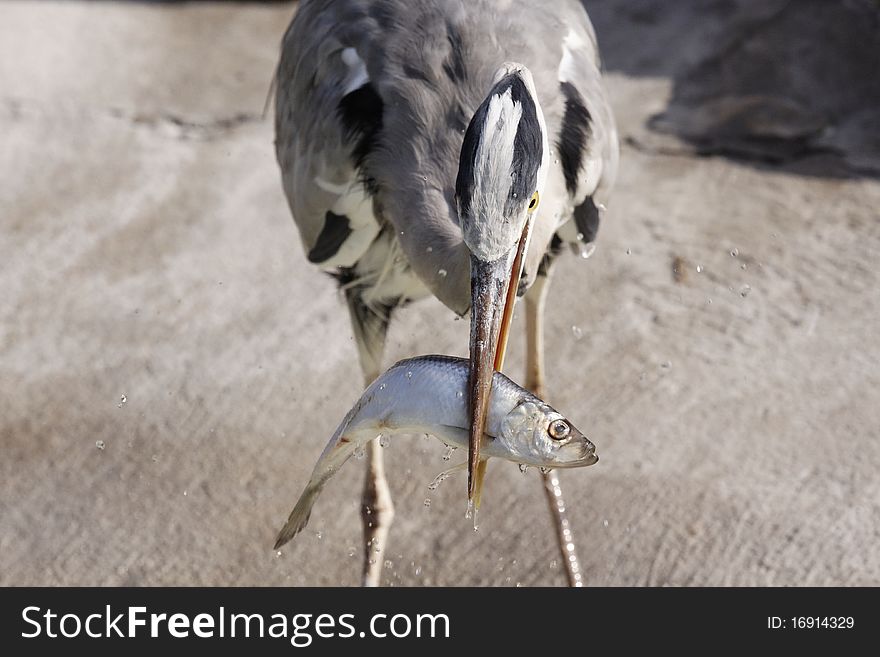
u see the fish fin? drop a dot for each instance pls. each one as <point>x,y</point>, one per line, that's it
<point>299,517</point>
<point>478,487</point>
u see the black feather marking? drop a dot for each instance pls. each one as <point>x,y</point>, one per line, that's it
<point>586,218</point>
<point>361,114</point>
<point>454,65</point>
<point>573,136</point>
<point>464,182</point>
<point>527,145</point>
<point>336,230</point>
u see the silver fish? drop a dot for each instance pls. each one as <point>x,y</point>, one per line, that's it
<point>427,395</point>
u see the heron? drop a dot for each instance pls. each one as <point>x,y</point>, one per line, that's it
<point>446,148</point>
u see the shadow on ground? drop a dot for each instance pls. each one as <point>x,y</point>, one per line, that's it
<point>772,82</point>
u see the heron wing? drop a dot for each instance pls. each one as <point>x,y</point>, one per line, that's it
<point>327,113</point>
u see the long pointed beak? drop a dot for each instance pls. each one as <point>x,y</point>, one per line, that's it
<point>493,295</point>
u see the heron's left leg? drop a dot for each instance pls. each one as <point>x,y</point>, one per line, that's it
<point>535,299</point>
<point>370,325</point>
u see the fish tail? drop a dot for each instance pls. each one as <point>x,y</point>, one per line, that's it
<point>299,517</point>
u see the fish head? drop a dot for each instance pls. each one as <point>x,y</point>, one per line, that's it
<point>535,434</point>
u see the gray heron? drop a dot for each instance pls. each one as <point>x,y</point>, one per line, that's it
<point>447,148</point>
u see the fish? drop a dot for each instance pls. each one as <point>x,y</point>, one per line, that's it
<point>427,395</point>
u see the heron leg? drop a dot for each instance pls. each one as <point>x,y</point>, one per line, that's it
<point>377,513</point>
<point>370,325</point>
<point>534,301</point>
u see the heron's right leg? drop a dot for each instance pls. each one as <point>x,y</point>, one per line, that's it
<point>370,325</point>
<point>535,299</point>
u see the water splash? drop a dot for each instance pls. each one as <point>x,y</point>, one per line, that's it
<point>439,479</point>
<point>471,512</point>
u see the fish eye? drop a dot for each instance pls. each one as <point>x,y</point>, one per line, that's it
<point>534,202</point>
<point>559,429</point>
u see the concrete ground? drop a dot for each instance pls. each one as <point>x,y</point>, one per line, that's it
<point>171,366</point>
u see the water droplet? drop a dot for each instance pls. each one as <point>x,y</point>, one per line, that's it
<point>743,266</point>
<point>442,273</point>
<point>359,453</point>
<point>709,301</point>
<point>351,551</point>
<point>744,291</point>
<point>409,374</point>
<point>427,501</point>
<point>666,364</point>
<point>554,564</point>
<point>734,252</point>
<point>430,249</point>
<point>388,564</point>
<point>155,458</point>
<point>100,444</point>
<point>418,571</point>
<point>184,493</point>
<point>580,237</point>
<point>578,332</point>
<point>699,269</point>
<point>604,523</point>
<point>448,453</point>
<point>546,470</point>
<point>629,252</point>
<point>425,178</point>
<point>122,400</point>
<point>439,479</point>
<point>523,467</point>
<point>587,250</point>
<point>382,386</point>
<point>278,554</point>
<point>384,440</point>
<point>514,195</point>
<point>319,535</point>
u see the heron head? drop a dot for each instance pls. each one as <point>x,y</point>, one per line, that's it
<point>501,176</point>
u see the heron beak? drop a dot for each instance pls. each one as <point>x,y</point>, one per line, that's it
<point>493,296</point>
